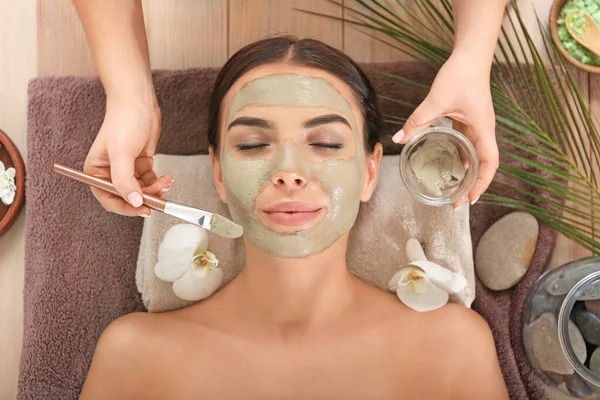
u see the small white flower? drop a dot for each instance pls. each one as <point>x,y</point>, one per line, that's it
<point>7,184</point>
<point>183,259</point>
<point>424,285</point>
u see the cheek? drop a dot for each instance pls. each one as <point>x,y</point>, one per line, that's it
<point>244,179</point>
<point>341,178</point>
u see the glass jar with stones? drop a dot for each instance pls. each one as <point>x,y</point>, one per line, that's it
<point>561,328</point>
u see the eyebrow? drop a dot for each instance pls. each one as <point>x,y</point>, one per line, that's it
<point>326,119</point>
<point>249,121</point>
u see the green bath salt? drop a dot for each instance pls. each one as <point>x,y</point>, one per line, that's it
<point>576,21</point>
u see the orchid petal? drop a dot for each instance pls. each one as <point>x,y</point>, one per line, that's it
<point>8,197</point>
<point>11,172</point>
<point>432,299</point>
<point>206,259</point>
<point>414,251</point>
<point>414,277</point>
<point>169,272</point>
<point>442,277</point>
<point>181,242</point>
<point>1,167</point>
<point>198,283</point>
<point>393,283</point>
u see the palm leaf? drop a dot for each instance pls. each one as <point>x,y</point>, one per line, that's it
<point>553,135</point>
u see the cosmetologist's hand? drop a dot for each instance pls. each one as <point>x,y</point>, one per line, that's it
<point>461,91</point>
<point>122,153</point>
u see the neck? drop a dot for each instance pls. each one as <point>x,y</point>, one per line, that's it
<point>294,295</point>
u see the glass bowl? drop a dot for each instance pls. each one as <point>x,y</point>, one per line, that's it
<point>467,154</point>
<point>556,338</point>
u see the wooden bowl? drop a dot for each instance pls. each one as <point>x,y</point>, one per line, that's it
<point>10,156</point>
<point>557,6</point>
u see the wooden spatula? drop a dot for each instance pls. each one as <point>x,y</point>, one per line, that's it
<point>589,36</point>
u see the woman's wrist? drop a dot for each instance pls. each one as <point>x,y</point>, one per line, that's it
<point>468,65</point>
<point>472,59</point>
<point>145,105</point>
<point>142,94</point>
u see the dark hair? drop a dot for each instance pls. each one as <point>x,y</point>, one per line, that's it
<point>304,52</point>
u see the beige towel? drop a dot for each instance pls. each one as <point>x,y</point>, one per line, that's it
<point>377,240</point>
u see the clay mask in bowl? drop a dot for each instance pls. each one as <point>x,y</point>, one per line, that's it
<point>439,166</point>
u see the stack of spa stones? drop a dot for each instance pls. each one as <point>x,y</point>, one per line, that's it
<point>586,315</point>
<point>584,335</point>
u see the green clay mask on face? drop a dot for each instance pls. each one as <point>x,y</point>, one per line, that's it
<point>245,178</point>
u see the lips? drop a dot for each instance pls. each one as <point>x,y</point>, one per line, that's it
<point>291,206</point>
<point>292,213</point>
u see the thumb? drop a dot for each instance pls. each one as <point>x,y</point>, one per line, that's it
<point>421,118</point>
<point>123,177</point>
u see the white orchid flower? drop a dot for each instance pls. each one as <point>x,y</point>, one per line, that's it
<point>7,184</point>
<point>424,285</point>
<point>183,259</point>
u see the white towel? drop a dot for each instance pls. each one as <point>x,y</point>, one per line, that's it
<point>376,245</point>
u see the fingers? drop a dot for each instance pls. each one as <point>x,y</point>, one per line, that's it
<point>160,187</point>
<point>96,164</point>
<point>143,169</point>
<point>148,180</point>
<point>489,159</point>
<point>119,206</point>
<point>123,177</point>
<point>427,112</point>
<point>483,136</point>
<point>145,179</point>
<point>487,170</point>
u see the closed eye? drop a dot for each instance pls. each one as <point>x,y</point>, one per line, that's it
<point>335,146</point>
<point>249,147</point>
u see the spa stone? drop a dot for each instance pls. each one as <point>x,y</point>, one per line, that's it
<point>589,325</point>
<point>543,334</point>
<point>505,250</point>
<point>570,274</point>
<point>593,306</point>
<point>595,361</point>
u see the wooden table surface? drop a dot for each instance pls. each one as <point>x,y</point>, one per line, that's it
<point>44,37</point>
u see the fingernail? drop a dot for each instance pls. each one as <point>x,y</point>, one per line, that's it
<point>144,215</point>
<point>461,206</point>
<point>475,200</point>
<point>164,190</point>
<point>135,199</point>
<point>398,136</point>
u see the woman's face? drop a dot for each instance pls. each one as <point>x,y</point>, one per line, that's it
<point>292,166</point>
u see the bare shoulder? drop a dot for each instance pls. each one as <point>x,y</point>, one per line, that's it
<point>471,351</point>
<point>461,322</point>
<point>454,343</point>
<point>121,357</point>
<point>451,327</point>
<point>130,333</point>
<point>465,329</point>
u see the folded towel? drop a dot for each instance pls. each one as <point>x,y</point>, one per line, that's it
<point>376,244</point>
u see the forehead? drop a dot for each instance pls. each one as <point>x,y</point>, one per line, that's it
<point>289,77</point>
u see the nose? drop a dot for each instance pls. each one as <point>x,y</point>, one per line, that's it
<point>291,179</point>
